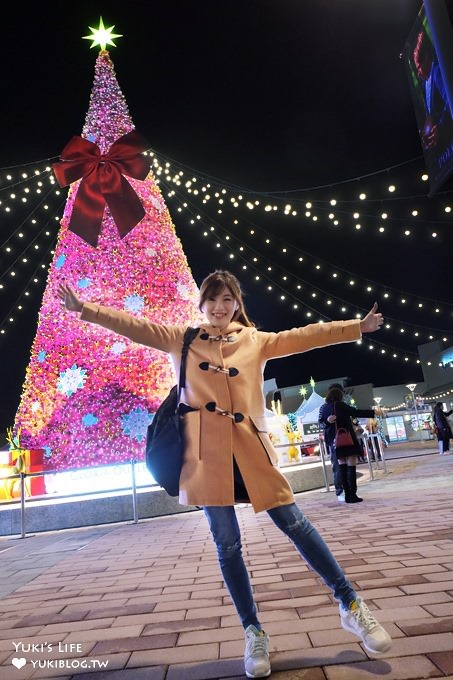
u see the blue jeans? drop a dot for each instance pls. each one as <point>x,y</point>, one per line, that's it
<point>290,519</point>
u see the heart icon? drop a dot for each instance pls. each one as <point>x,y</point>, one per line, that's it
<point>18,662</point>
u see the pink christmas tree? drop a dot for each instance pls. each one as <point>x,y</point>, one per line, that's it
<point>89,395</point>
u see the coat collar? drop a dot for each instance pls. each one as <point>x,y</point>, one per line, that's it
<point>233,327</point>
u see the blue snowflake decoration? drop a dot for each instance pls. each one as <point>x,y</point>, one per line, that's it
<point>61,259</point>
<point>89,419</point>
<point>118,347</point>
<point>83,283</point>
<point>47,452</point>
<point>135,423</point>
<point>134,303</point>
<point>41,356</point>
<point>292,421</point>
<point>71,380</point>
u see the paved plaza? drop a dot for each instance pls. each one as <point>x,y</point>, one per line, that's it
<point>146,601</point>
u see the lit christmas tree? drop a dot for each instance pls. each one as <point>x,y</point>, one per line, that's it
<point>88,394</point>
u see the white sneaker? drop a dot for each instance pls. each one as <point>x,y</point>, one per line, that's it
<point>256,655</point>
<point>362,623</point>
<point>340,497</point>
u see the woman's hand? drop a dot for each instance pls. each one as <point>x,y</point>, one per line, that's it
<point>68,297</point>
<point>331,419</point>
<point>373,320</point>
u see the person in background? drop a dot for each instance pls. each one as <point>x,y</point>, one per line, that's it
<point>328,432</point>
<point>334,414</point>
<point>442,427</point>
<point>372,427</point>
<point>358,429</point>
<point>226,441</point>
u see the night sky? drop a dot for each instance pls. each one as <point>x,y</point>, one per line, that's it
<point>282,101</point>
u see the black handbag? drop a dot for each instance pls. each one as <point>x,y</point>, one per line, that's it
<point>164,441</point>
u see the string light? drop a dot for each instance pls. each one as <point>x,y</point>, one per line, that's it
<point>208,191</point>
<point>272,285</point>
<point>335,274</point>
<point>320,205</point>
<point>407,233</point>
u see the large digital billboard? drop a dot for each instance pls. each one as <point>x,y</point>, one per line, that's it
<point>430,93</point>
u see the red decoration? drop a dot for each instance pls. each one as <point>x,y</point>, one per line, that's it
<point>34,460</point>
<point>103,182</point>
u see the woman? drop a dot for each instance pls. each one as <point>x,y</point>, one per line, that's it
<point>335,414</point>
<point>228,447</point>
<point>443,429</point>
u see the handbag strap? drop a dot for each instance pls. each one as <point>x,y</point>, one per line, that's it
<point>336,426</point>
<point>189,335</point>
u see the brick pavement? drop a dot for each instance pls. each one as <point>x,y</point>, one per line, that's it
<point>148,601</point>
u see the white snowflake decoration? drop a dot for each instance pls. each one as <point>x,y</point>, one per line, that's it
<point>35,406</point>
<point>156,203</point>
<point>71,380</point>
<point>183,290</point>
<point>135,423</point>
<point>134,303</point>
<point>118,347</point>
<point>151,252</point>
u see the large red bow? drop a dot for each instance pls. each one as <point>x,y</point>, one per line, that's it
<point>103,182</point>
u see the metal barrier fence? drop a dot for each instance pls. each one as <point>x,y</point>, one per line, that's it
<point>324,455</point>
<point>374,440</point>
<point>374,454</point>
<point>375,451</point>
<point>22,476</point>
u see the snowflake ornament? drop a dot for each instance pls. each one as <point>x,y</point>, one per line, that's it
<point>134,303</point>
<point>156,203</point>
<point>71,380</point>
<point>60,261</point>
<point>135,423</point>
<point>118,347</point>
<point>183,290</point>
<point>89,419</point>
<point>83,283</point>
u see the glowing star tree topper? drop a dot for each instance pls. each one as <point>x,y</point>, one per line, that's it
<point>102,36</point>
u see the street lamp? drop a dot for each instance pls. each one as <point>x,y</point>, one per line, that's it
<point>412,387</point>
<point>377,401</point>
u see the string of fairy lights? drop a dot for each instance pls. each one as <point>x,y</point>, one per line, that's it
<point>30,244</point>
<point>199,189</point>
<point>285,248</point>
<point>215,231</point>
<point>209,188</point>
<point>443,396</point>
<point>297,303</point>
<point>238,236</point>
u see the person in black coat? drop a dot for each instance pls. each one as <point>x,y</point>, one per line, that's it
<point>333,415</point>
<point>328,430</point>
<point>443,429</point>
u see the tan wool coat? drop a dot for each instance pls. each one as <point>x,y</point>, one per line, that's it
<point>224,386</point>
